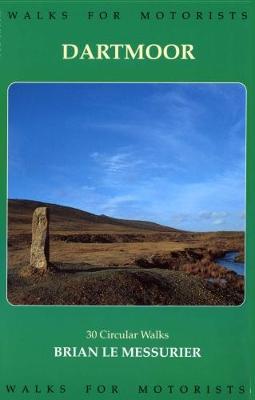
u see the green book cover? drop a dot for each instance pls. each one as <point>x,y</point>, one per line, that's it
<point>127,200</point>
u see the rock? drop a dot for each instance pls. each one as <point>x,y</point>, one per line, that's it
<point>39,258</point>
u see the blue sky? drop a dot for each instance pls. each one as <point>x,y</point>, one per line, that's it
<point>169,153</point>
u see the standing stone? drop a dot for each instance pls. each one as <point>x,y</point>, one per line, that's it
<point>39,258</point>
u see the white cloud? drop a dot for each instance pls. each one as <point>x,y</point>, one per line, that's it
<point>218,221</point>
<point>117,202</point>
<point>207,215</point>
<point>116,163</point>
<point>243,215</point>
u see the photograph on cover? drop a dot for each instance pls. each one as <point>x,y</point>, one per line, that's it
<point>126,193</point>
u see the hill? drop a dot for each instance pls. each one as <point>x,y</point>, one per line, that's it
<point>71,219</point>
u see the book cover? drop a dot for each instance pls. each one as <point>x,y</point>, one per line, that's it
<point>127,200</point>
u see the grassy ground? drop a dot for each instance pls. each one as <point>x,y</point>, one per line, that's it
<point>107,254</point>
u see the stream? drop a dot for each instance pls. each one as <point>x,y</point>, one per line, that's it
<point>228,261</point>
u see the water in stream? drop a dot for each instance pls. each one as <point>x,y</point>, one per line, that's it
<point>228,261</point>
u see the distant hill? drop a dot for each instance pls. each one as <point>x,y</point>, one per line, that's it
<point>70,219</point>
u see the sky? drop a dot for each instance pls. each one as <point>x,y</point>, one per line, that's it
<point>167,153</point>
